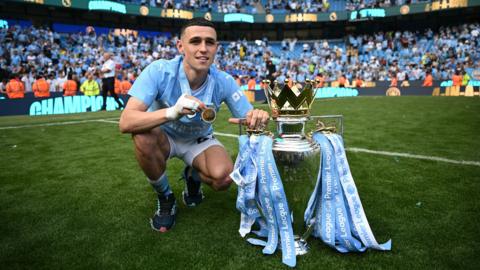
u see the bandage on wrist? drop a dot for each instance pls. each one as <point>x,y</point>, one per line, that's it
<point>171,113</point>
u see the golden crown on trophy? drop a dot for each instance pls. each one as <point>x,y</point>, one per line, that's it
<point>290,101</point>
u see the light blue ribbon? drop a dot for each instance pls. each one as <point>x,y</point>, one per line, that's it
<point>246,204</point>
<point>341,220</point>
<point>255,166</point>
<point>185,85</point>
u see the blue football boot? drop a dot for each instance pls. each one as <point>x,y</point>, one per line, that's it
<point>164,218</point>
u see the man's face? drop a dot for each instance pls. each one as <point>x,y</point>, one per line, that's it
<point>198,45</point>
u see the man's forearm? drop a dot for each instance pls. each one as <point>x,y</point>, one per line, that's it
<point>133,121</point>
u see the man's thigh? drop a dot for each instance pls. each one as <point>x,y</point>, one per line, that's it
<point>153,142</point>
<point>214,162</point>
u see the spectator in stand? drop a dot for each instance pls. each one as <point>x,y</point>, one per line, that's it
<point>270,70</point>
<point>70,86</point>
<point>90,87</point>
<point>41,88</point>
<point>15,88</point>
<point>3,86</point>
<point>4,72</point>
<point>27,79</point>
<point>405,82</point>
<point>51,82</point>
<point>372,56</point>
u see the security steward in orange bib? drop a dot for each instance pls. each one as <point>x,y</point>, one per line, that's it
<point>41,88</point>
<point>457,78</point>
<point>428,79</point>
<point>125,86</point>
<point>15,88</point>
<point>358,82</point>
<point>320,79</point>
<point>342,81</point>
<point>70,87</point>
<point>117,86</point>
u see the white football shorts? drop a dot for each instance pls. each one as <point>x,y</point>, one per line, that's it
<point>189,150</point>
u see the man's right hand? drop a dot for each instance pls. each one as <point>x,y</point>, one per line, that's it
<point>185,105</point>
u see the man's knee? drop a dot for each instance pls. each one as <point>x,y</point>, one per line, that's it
<point>222,184</point>
<point>221,179</point>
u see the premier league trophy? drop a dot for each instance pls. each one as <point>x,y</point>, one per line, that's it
<point>296,155</point>
<point>293,184</point>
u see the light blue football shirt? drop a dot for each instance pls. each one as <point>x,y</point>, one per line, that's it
<point>158,86</point>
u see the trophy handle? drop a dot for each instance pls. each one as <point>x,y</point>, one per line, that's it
<point>338,118</point>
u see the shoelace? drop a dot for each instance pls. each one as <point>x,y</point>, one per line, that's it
<point>165,207</point>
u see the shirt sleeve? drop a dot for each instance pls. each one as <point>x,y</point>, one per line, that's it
<point>145,87</point>
<point>236,101</point>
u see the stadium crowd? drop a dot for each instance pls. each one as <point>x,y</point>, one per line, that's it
<point>272,6</point>
<point>67,61</point>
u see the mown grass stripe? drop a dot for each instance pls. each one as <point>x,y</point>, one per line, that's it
<point>221,134</point>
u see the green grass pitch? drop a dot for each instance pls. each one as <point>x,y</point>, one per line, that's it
<point>73,197</point>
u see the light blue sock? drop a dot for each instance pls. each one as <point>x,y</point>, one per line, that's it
<point>161,185</point>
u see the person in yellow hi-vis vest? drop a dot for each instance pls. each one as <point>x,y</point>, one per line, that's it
<point>465,78</point>
<point>90,87</point>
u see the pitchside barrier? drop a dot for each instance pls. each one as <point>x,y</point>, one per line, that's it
<point>58,104</point>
